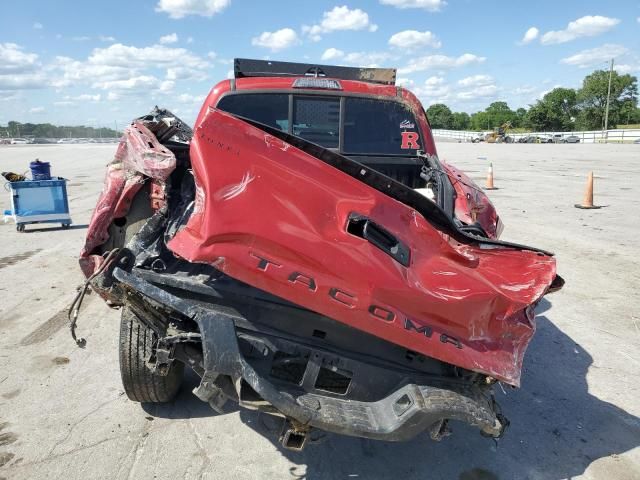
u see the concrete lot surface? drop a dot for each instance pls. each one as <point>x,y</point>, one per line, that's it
<point>63,413</point>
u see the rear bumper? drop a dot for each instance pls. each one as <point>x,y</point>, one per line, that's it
<point>409,409</point>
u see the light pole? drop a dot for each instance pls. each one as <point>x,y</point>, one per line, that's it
<point>606,111</point>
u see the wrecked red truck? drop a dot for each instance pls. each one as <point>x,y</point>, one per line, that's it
<point>304,250</point>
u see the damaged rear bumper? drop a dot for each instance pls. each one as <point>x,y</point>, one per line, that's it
<point>245,360</point>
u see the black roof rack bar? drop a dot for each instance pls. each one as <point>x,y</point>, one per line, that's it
<point>245,67</point>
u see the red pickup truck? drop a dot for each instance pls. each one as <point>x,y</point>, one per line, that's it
<point>306,252</point>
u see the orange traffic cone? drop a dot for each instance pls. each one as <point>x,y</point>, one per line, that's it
<point>490,185</point>
<point>587,201</point>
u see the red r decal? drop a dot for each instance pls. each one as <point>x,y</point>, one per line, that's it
<point>410,140</point>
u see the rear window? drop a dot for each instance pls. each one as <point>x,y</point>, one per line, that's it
<point>317,120</point>
<point>374,126</point>
<point>368,126</point>
<point>272,110</point>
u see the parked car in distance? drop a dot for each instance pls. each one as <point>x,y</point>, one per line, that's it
<point>67,140</point>
<point>571,139</point>
<point>637,141</point>
<point>19,141</point>
<point>557,138</point>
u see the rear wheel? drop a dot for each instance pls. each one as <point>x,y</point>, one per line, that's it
<point>140,383</point>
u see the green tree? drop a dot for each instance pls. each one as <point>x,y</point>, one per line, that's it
<point>556,111</point>
<point>494,115</point>
<point>499,113</point>
<point>461,121</point>
<point>440,116</point>
<point>46,130</point>
<point>481,121</point>
<point>520,118</point>
<point>592,98</point>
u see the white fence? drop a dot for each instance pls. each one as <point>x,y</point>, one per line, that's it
<point>608,136</point>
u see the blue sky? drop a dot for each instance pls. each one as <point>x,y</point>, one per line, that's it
<point>70,62</point>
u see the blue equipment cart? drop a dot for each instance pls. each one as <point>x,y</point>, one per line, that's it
<point>39,201</point>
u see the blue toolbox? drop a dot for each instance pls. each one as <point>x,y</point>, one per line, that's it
<point>38,201</point>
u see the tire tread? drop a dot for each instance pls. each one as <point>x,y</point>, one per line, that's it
<point>140,384</point>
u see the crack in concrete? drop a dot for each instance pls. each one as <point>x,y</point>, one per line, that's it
<point>78,422</point>
<point>138,450</point>
<point>204,455</point>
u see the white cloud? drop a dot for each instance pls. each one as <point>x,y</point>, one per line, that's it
<point>405,82</point>
<point>85,97</point>
<point>126,67</point>
<point>588,26</point>
<point>332,54</point>
<point>9,97</point>
<point>83,38</point>
<point>440,61</point>
<point>478,92</point>
<point>276,41</point>
<point>170,38</point>
<point>182,8</point>
<point>340,18</point>
<point>524,90</point>
<point>189,39</point>
<point>166,86</point>
<point>411,39</point>
<point>544,92</point>
<point>36,110</point>
<point>530,35</point>
<point>23,81</point>
<point>366,59</point>
<point>37,26</point>
<point>434,90</point>
<point>624,68</point>
<point>142,82</point>
<point>430,5</point>
<point>13,59</point>
<point>189,98</point>
<point>434,81</point>
<point>212,55</point>
<point>119,55</point>
<point>70,72</point>
<point>185,73</point>
<point>595,56</point>
<point>475,80</point>
<point>19,69</point>
<point>106,38</point>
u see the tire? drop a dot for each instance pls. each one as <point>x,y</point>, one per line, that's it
<point>140,384</point>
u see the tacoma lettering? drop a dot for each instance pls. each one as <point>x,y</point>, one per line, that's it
<point>350,301</point>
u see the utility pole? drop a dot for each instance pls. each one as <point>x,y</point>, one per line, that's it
<point>606,111</point>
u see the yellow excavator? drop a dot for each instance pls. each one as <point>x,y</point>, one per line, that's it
<point>499,134</point>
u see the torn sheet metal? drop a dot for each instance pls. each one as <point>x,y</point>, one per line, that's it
<point>139,156</point>
<point>276,218</point>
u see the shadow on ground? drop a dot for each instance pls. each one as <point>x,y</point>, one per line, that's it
<point>557,429</point>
